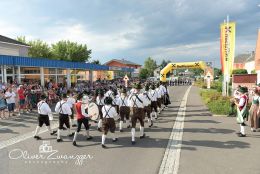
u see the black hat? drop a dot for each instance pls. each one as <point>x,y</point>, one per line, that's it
<point>243,90</point>
<point>146,87</point>
<point>123,90</point>
<point>43,97</point>
<point>152,87</point>
<point>138,86</point>
<point>108,101</point>
<point>64,96</point>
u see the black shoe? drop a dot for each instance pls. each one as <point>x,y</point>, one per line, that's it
<point>133,142</point>
<point>115,140</point>
<point>64,128</point>
<point>54,132</point>
<point>128,126</point>
<point>71,135</point>
<point>143,136</point>
<point>90,138</point>
<point>99,129</point>
<point>37,137</point>
<point>151,124</point>
<point>121,130</point>
<point>74,143</point>
<point>104,146</point>
<point>242,135</point>
<point>74,125</point>
<point>59,140</point>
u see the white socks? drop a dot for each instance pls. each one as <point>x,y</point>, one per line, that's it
<point>49,129</point>
<point>120,125</point>
<point>155,114</point>
<point>58,134</point>
<point>99,123</point>
<point>87,133</point>
<point>142,130</point>
<point>103,139</point>
<point>75,136</point>
<point>113,136</point>
<point>37,131</point>
<point>127,123</point>
<point>133,134</point>
<point>242,129</point>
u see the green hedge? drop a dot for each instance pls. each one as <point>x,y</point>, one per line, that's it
<point>216,103</point>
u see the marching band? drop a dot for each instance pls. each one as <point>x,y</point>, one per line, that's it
<point>107,107</point>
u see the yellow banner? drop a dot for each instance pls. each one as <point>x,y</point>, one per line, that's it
<point>110,75</point>
<point>227,46</point>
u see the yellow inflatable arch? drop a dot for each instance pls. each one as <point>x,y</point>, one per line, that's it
<point>182,65</point>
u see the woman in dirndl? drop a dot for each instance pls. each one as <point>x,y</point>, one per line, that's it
<point>254,111</point>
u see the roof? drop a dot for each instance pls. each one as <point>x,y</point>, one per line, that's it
<point>123,61</point>
<point>11,41</point>
<point>49,63</point>
<point>243,58</point>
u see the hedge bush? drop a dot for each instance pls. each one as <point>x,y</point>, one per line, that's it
<point>216,103</point>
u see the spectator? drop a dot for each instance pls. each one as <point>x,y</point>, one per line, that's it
<point>21,96</point>
<point>2,104</point>
<point>10,100</point>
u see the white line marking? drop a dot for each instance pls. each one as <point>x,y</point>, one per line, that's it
<point>170,162</point>
<point>25,136</point>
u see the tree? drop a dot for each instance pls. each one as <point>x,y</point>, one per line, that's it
<point>150,66</point>
<point>239,71</point>
<point>96,62</point>
<point>217,72</point>
<point>143,73</point>
<point>164,63</point>
<point>71,51</point>
<point>38,48</point>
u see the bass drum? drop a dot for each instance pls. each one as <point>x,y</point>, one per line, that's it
<point>93,111</point>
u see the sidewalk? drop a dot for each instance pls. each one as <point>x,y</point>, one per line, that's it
<point>210,145</point>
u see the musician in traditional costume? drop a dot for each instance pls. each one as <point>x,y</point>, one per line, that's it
<point>124,109</point>
<point>71,102</point>
<point>254,111</point>
<point>44,111</point>
<point>100,102</point>
<point>137,103</point>
<point>242,111</point>
<point>159,98</point>
<point>64,110</point>
<point>147,107</point>
<point>154,97</point>
<point>108,122</point>
<point>81,108</point>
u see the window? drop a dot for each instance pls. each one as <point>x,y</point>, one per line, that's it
<point>61,71</point>
<point>49,71</point>
<point>30,70</point>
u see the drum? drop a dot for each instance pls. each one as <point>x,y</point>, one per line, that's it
<point>93,111</point>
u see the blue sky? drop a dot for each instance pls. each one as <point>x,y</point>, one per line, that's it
<point>177,30</point>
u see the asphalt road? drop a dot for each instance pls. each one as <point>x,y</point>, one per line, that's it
<point>19,152</point>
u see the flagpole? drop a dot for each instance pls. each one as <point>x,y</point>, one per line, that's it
<point>228,49</point>
<point>224,64</point>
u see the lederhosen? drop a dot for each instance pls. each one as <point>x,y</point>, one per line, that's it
<point>43,119</point>
<point>63,118</point>
<point>154,103</point>
<point>124,110</point>
<point>100,106</point>
<point>108,123</point>
<point>138,113</point>
<point>148,109</point>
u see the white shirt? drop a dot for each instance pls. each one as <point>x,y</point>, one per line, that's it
<point>109,111</point>
<point>158,90</point>
<point>122,101</point>
<point>134,102</point>
<point>64,109</point>
<point>109,93</point>
<point>43,108</point>
<point>11,97</point>
<point>163,89</point>
<point>71,101</point>
<point>100,101</point>
<point>148,97</point>
<point>153,95</point>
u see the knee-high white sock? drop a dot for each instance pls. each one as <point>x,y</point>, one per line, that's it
<point>68,131</point>
<point>99,123</point>
<point>37,131</point>
<point>152,114</point>
<point>49,129</point>
<point>58,133</point>
<point>242,129</point>
<point>149,120</point>
<point>141,130</point>
<point>133,134</point>
<point>113,136</point>
<point>70,121</point>
<point>103,138</point>
<point>75,136</point>
<point>120,125</point>
<point>155,114</point>
<point>87,133</point>
<point>127,122</point>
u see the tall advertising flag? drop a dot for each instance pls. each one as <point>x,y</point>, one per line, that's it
<point>227,46</point>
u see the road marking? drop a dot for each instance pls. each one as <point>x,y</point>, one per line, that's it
<point>170,162</point>
<point>25,136</point>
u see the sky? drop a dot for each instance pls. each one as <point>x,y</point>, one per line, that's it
<point>175,30</point>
